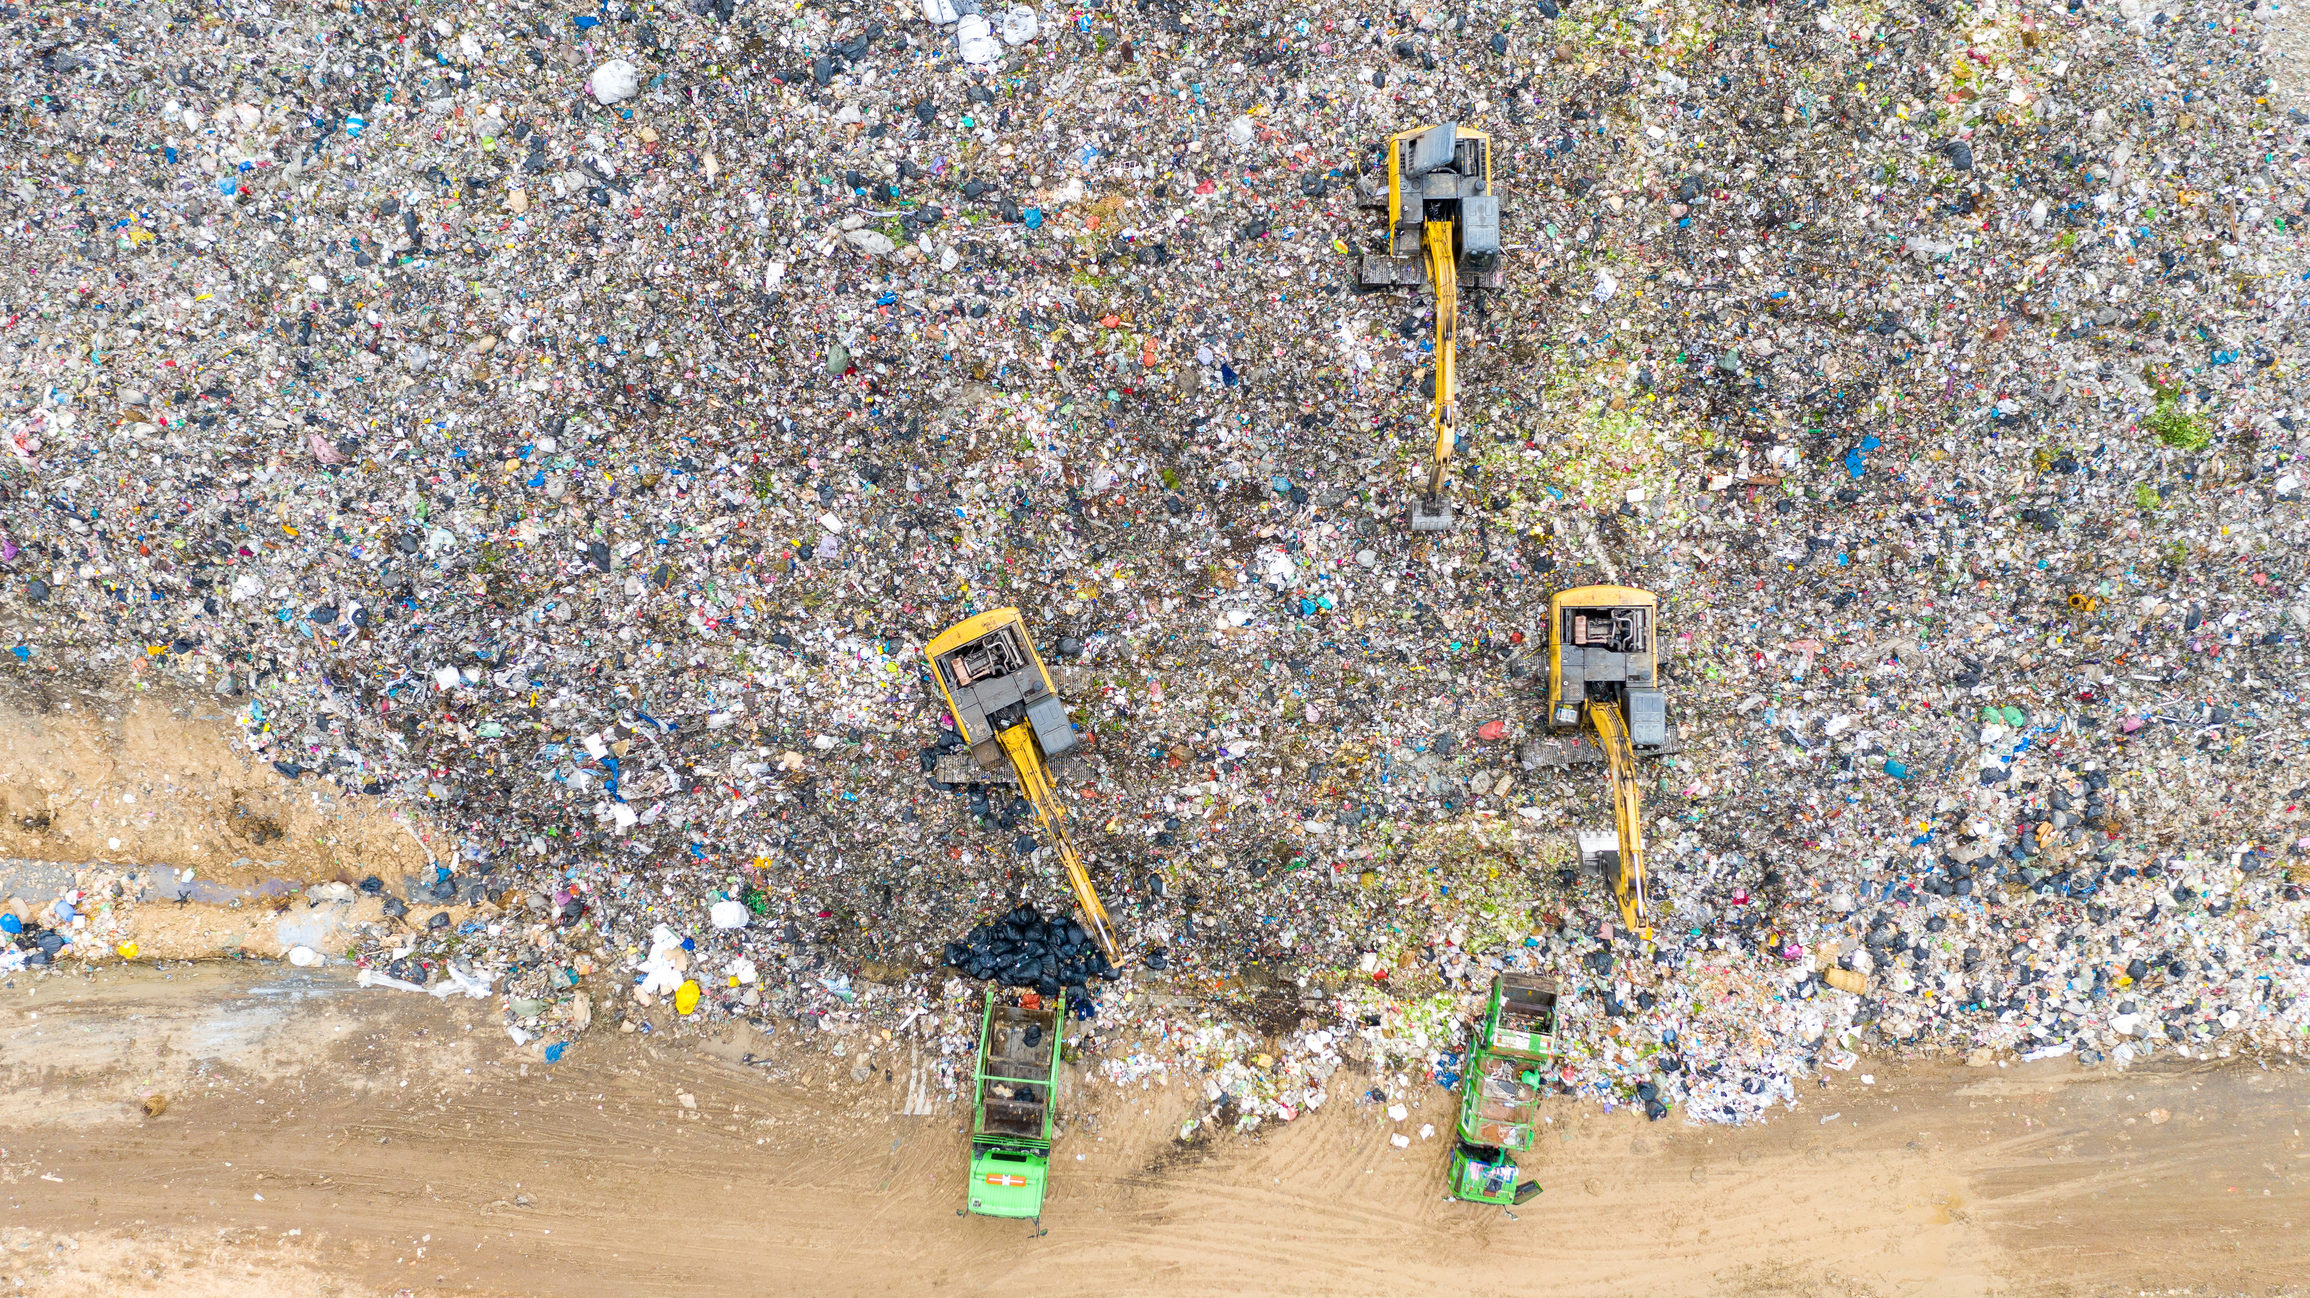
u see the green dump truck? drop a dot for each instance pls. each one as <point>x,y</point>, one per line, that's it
<point>1016,1090</point>
<point>1515,1046</point>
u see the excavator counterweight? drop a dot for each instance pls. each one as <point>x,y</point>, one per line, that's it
<point>1443,230</point>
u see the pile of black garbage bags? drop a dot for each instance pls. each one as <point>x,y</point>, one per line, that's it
<point>1026,949</point>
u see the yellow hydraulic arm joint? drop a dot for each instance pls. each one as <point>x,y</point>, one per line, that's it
<point>1035,782</point>
<point>1444,275</point>
<point>1628,815</point>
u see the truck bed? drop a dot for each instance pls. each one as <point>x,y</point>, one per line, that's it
<point>1015,1079</point>
<point>1526,1020</point>
<point>1500,1108</point>
<point>1021,1115</point>
<point>1008,1054</point>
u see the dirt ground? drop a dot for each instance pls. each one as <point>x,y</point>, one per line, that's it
<point>131,768</point>
<point>321,1139</point>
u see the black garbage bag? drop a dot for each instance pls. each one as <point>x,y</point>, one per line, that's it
<point>1024,948</point>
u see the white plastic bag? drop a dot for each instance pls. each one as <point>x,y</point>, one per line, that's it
<point>941,12</point>
<point>614,82</point>
<point>976,40</point>
<point>660,976</point>
<point>728,914</point>
<point>1019,25</point>
<point>475,988</point>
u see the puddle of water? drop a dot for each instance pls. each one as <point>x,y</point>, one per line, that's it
<point>40,882</point>
<point>303,984</point>
<point>232,1031</point>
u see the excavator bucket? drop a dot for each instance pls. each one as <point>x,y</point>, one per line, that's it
<point>1431,516</point>
<point>1599,850</point>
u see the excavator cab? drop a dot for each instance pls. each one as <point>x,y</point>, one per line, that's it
<point>1006,708</point>
<point>1443,228</point>
<point>1605,704</point>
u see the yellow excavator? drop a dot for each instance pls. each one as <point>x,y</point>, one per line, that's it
<point>1443,230</point>
<point>1002,700</point>
<point>1604,681</point>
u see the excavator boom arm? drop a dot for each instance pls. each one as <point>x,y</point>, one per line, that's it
<point>1035,781</point>
<point>1627,814</point>
<point>1444,275</point>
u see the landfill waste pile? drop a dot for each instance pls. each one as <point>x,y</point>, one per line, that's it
<point>569,424</point>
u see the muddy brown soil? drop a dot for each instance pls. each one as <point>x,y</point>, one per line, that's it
<point>135,768</point>
<point>317,1138</point>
